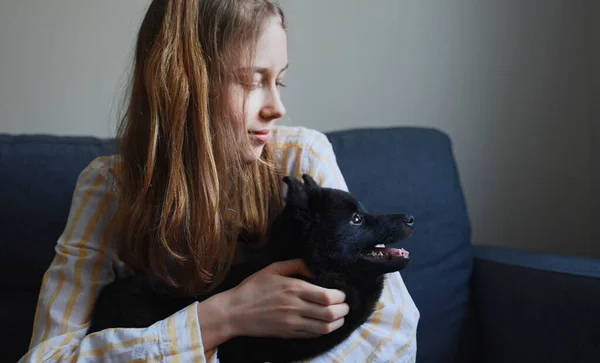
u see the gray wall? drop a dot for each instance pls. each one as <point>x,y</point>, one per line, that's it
<point>593,45</point>
<point>63,64</point>
<point>509,81</point>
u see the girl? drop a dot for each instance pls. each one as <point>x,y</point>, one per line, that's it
<point>199,168</point>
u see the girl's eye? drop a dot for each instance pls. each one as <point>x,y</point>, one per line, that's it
<point>357,218</point>
<point>257,85</point>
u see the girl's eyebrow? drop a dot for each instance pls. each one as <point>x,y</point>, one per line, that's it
<point>263,70</point>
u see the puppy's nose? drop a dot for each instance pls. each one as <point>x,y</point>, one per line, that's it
<point>409,220</point>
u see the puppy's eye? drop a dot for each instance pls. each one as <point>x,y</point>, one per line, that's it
<point>357,218</point>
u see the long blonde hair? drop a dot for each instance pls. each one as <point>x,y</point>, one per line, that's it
<point>185,193</point>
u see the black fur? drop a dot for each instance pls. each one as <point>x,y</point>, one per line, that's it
<point>318,225</point>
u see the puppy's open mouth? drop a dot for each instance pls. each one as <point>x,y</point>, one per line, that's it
<point>380,252</point>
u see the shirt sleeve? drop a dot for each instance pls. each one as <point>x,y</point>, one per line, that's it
<point>84,262</point>
<point>389,335</point>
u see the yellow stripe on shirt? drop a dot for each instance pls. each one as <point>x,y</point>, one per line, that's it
<point>209,354</point>
<point>81,260</point>
<point>62,257</point>
<point>395,328</point>
<point>284,159</point>
<point>387,295</point>
<point>298,163</point>
<point>403,348</point>
<point>97,268</point>
<point>286,147</point>
<point>196,341</point>
<point>174,352</point>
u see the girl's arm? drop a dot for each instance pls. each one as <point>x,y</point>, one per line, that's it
<point>83,264</point>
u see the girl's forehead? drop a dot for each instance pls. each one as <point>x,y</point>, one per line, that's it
<point>271,49</point>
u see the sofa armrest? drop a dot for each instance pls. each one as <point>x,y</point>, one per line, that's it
<point>534,307</point>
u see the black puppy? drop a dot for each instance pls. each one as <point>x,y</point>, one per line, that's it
<point>342,245</point>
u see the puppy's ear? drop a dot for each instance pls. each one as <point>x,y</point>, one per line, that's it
<point>292,182</point>
<point>309,181</point>
<point>296,193</point>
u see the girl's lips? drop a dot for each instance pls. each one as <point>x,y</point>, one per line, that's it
<point>260,135</point>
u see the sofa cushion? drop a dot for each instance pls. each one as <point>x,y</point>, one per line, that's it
<point>412,170</point>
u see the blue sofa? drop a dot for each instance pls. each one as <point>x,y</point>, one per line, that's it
<point>478,304</point>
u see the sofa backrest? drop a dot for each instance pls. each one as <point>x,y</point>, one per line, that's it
<point>412,169</point>
<point>398,169</point>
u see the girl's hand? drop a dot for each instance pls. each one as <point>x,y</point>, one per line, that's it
<point>270,303</point>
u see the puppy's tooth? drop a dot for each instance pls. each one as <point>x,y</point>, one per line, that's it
<point>381,245</point>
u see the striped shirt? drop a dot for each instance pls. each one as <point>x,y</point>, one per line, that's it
<point>85,262</point>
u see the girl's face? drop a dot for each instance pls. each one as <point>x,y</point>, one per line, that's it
<point>263,105</point>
